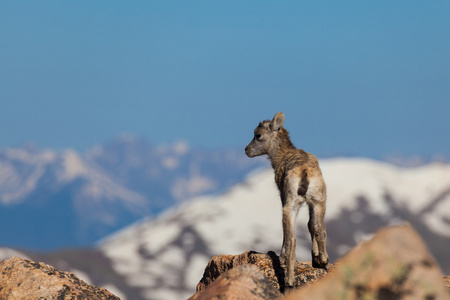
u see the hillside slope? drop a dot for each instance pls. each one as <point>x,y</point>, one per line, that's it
<point>54,199</point>
<point>164,257</point>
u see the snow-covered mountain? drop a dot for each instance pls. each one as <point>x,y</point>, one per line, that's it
<point>52,199</point>
<point>164,257</point>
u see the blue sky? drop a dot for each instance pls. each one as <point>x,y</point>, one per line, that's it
<point>366,78</point>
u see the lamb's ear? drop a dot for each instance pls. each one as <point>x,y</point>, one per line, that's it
<point>277,121</point>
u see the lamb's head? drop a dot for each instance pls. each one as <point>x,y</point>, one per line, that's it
<point>265,136</point>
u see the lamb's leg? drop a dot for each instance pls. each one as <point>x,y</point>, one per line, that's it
<point>287,258</point>
<point>318,232</point>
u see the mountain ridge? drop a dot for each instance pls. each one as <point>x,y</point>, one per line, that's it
<point>163,257</point>
<point>90,195</point>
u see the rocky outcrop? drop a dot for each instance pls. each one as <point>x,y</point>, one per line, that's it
<point>269,264</point>
<point>241,282</point>
<point>394,264</point>
<point>24,279</point>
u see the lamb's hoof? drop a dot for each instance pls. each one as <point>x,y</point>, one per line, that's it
<point>321,265</point>
<point>287,289</point>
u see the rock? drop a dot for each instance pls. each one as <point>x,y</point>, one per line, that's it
<point>395,264</point>
<point>24,279</point>
<point>446,280</point>
<point>269,264</point>
<point>241,282</point>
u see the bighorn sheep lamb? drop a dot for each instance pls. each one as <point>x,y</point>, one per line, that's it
<point>299,179</point>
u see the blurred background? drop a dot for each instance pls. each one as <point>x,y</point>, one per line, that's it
<point>353,78</point>
<point>117,112</point>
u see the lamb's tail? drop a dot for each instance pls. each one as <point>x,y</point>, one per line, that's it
<point>303,185</point>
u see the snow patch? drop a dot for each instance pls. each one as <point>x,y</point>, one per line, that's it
<point>184,188</point>
<point>160,236</point>
<point>73,166</point>
<point>30,157</point>
<point>439,220</point>
<point>195,269</point>
<point>16,188</point>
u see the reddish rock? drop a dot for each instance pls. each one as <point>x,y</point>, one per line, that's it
<point>395,264</point>
<point>269,264</point>
<point>245,282</point>
<point>24,279</point>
